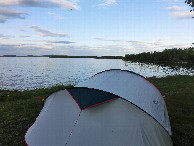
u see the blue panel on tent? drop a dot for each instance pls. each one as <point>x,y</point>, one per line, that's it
<point>86,97</point>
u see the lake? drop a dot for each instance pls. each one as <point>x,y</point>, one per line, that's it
<point>26,73</point>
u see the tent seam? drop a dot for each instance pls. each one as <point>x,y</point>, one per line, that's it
<point>25,136</point>
<point>100,103</point>
<point>143,78</point>
<point>148,114</point>
<point>32,124</point>
<point>73,129</point>
<point>125,100</point>
<point>135,74</point>
<point>74,99</point>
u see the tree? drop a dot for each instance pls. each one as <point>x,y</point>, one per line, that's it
<point>190,3</point>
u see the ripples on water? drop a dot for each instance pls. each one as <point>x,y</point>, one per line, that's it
<point>25,73</point>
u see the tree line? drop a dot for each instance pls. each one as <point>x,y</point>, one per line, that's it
<point>168,55</point>
<point>190,3</point>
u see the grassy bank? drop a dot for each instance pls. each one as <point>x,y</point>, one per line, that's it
<point>179,93</point>
<point>18,110</point>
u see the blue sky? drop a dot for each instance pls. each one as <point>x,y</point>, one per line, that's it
<point>94,27</point>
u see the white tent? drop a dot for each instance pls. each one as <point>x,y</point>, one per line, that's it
<point>134,88</point>
<point>110,109</point>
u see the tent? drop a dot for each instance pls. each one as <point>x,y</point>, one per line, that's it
<point>112,108</point>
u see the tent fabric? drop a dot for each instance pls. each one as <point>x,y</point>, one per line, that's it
<point>84,100</point>
<point>134,88</point>
<point>121,123</point>
<point>115,122</point>
<point>54,123</point>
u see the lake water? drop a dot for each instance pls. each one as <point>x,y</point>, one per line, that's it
<point>25,73</point>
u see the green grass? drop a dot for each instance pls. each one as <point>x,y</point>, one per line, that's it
<point>18,110</point>
<point>179,95</point>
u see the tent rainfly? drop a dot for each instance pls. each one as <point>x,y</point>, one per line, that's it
<point>112,108</point>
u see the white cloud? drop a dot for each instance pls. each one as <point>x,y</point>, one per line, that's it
<point>21,29</point>
<point>59,42</point>
<point>21,49</point>
<point>142,46</point>
<point>106,3</point>
<point>159,45</point>
<point>100,50</point>
<point>176,8</point>
<point>170,46</point>
<point>50,42</point>
<point>42,3</point>
<point>110,2</point>
<point>3,19</point>
<point>65,4</point>
<point>46,33</point>
<point>56,15</point>
<point>24,36</point>
<point>6,14</point>
<point>69,49</point>
<point>2,36</point>
<point>136,46</point>
<point>177,12</point>
<point>182,15</point>
<point>110,40</point>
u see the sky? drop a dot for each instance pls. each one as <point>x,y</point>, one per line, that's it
<point>94,27</point>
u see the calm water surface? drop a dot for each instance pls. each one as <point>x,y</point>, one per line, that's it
<point>24,73</point>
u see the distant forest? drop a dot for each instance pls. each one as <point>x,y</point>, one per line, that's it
<point>168,55</point>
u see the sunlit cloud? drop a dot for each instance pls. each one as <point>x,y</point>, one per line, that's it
<point>67,48</point>
<point>110,2</point>
<point>183,15</point>
<point>21,29</point>
<point>139,45</point>
<point>59,42</point>
<point>110,40</point>
<point>3,19</point>
<point>46,33</point>
<point>2,36</point>
<point>170,46</point>
<point>159,45</point>
<point>25,36</point>
<point>56,15</point>
<point>49,41</point>
<point>106,3</point>
<point>6,14</point>
<point>100,50</point>
<point>177,12</point>
<point>23,49</point>
<point>43,3</point>
<point>176,8</point>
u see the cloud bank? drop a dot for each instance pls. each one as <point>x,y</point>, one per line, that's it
<point>59,42</point>
<point>182,15</point>
<point>109,40</point>
<point>58,17</point>
<point>67,48</point>
<point>2,36</point>
<point>42,3</point>
<point>6,14</point>
<point>46,33</point>
<point>177,12</point>
<point>106,3</point>
<point>176,8</point>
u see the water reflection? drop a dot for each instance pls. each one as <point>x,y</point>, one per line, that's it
<point>30,73</point>
<point>150,70</point>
